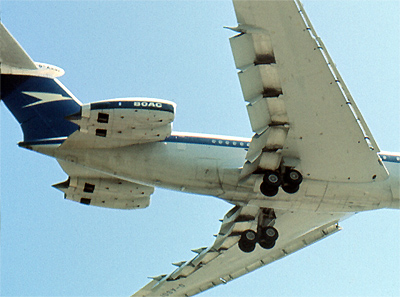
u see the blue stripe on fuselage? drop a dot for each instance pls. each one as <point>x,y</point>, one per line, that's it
<point>214,141</point>
<point>189,139</point>
<point>390,158</point>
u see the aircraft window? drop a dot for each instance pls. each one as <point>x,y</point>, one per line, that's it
<point>213,141</point>
<point>234,143</point>
<point>241,144</point>
<point>220,142</point>
<point>226,142</point>
<point>384,157</point>
<point>398,158</point>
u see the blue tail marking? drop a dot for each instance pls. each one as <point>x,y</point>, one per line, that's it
<point>40,105</point>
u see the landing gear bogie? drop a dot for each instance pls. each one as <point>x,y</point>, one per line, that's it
<point>266,238</point>
<point>289,181</point>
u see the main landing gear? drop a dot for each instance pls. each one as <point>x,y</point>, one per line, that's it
<point>290,182</point>
<point>266,235</point>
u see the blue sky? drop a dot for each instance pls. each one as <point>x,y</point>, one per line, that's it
<point>178,51</point>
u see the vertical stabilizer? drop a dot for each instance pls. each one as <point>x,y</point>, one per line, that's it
<point>31,92</point>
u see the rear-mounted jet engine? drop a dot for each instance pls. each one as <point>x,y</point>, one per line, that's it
<point>126,121</point>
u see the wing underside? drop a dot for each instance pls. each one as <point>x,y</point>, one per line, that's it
<point>302,116</point>
<point>224,261</point>
<point>300,110</point>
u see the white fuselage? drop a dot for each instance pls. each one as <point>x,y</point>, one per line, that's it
<point>210,165</point>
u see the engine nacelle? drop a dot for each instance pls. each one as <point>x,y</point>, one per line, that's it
<point>126,120</point>
<point>110,193</point>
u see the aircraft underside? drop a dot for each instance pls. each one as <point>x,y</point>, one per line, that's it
<point>311,161</point>
<point>214,171</point>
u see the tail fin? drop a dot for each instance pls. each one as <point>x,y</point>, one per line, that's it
<point>32,93</point>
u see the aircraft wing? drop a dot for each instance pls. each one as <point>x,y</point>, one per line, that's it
<point>303,115</point>
<point>299,107</point>
<point>224,261</point>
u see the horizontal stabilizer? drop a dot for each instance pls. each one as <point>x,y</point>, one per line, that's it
<point>11,53</point>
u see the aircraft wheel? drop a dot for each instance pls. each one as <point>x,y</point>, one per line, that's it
<point>247,242</point>
<point>293,177</point>
<point>268,190</point>
<point>290,189</point>
<point>272,178</point>
<point>270,233</point>
<point>268,237</point>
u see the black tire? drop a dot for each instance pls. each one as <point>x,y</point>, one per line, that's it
<point>267,244</point>
<point>269,232</point>
<point>272,178</point>
<point>248,240</point>
<point>292,177</point>
<point>290,189</point>
<point>268,237</point>
<point>268,190</point>
<point>246,247</point>
<point>249,236</point>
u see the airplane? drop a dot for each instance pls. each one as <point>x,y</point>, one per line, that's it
<point>175,137</point>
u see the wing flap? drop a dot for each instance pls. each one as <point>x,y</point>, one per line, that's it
<point>252,48</point>
<point>259,80</point>
<point>288,79</point>
<point>265,112</point>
